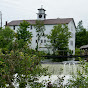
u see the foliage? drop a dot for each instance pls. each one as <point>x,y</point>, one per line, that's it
<point>20,67</point>
<point>6,37</point>
<point>59,37</point>
<point>80,26</point>
<point>39,26</point>
<point>81,79</point>
<point>0,28</point>
<point>79,52</point>
<point>23,33</point>
<point>81,35</point>
<point>18,63</point>
<point>16,44</point>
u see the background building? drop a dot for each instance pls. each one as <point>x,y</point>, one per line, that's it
<point>48,23</point>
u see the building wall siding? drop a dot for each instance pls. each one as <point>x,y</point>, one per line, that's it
<point>48,28</point>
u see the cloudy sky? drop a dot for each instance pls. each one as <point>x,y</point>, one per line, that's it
<point>27,9</point>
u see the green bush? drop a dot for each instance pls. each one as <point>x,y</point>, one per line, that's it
<point>26,66</point>
<point>79,52</point>
<point>80,80</point>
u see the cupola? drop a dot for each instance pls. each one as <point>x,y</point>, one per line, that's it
<point>41,14</point>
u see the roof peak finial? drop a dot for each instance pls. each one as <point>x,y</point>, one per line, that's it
<point>41,6</point>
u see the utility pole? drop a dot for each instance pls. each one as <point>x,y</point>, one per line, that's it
<point>1,19</point>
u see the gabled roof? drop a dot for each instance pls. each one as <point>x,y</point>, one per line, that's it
<point>46,21</point>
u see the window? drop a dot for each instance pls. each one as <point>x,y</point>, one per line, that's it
<point>44,41</point>
<point>31,27</point>
<point>44,16</point>
<point>41,41</point>
<point>36,41</point>
<point>71,42</point>
<point>40,16</point>
<point>13,27</point>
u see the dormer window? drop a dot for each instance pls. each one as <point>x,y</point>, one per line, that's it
<point>40,16</point>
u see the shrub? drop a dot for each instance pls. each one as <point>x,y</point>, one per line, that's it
<point>25,66</point>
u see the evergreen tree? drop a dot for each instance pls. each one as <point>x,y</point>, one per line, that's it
<point>81,35</point>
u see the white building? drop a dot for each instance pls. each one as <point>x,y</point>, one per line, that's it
<point>49,23</point>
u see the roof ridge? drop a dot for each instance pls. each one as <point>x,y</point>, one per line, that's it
<point>22,20</point>
<point>45,19</point>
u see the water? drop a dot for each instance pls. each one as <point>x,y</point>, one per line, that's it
<point>65,68</point>
<point>58,69</point>
<point>62,68</point>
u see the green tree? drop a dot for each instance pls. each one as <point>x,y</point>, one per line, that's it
<point>80,26</point>
<point>81,35</point>
<point>39,26</point>
<point>6,37</point>
<point>59,37</point>
<point>20,64</point>
<point>23,33</point>
<point>0,28</point>
<point>25,66</point>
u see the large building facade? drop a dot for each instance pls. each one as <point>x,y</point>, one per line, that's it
<point>49,24</point>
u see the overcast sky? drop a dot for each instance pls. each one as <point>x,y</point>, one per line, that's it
<point>27,9</point>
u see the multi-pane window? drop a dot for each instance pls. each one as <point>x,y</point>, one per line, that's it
<point>44,41</point>
<point>13,27</point>
<point>41,41</point>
